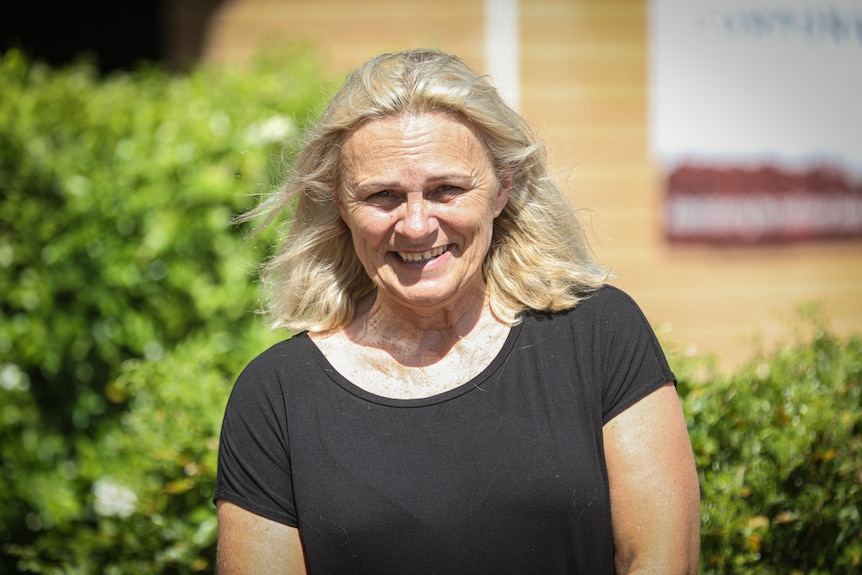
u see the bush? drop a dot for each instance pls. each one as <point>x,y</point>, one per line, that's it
<point>778,447</point>
<point>120,270</point>
<point>116,200</point>
<point>137,498</point>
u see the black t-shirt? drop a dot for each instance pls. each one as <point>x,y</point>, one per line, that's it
<point>504,474</point>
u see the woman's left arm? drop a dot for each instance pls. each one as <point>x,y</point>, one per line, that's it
<point>655,496</point>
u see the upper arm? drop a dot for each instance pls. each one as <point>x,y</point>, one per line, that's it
<point>249,543</point>
<point>655,496</point>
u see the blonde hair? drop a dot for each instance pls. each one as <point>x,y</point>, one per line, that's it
<point>539,256</point>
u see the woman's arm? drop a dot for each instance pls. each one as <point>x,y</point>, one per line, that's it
<point>251,544</point>
<point>655,496</point>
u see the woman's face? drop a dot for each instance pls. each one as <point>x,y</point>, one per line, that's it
<point>420,195</point>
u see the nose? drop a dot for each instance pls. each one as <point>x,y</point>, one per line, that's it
<point>417,220</point>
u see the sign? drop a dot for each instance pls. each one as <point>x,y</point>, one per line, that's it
<point>756,118</point>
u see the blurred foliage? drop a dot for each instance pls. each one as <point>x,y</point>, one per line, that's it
<point>778,446</point>
<point>128,298</point>
<point>137,497</point>
<point>116,200</point>
<point>126,314</point>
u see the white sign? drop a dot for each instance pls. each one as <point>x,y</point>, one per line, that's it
<point>756,116</point>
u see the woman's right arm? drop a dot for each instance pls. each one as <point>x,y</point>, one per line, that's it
<point>251,544</point>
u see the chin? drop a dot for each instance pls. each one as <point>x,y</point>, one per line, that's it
<point>423,299</point>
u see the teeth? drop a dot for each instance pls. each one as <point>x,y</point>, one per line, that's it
<point>422,256</point>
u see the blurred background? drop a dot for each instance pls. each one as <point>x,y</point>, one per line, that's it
<point>585,73</point>
<point>713,147</point>
<point>588,77</point>
<point>625,93</point>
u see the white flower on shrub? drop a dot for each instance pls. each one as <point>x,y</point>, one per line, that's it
<point>272,130</point>
<point>13,378</point>
<point>113,499</point>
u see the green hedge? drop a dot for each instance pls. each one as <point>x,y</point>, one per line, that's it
<point>116,198</point>
<point>778,447</point>
<point>117,252</point>
<point>136,498</point>
<point>127,313</point>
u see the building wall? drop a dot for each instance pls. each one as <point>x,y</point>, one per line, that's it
<point>348,32</point>
<point>584,85</point>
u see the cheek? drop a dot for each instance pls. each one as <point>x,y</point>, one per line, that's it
<point>367,228</point>
<point>476,218</point>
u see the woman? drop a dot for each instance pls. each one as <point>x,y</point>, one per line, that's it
<point>464,395</point>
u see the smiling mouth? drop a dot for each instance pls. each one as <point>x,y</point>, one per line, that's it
<point>419,257</point>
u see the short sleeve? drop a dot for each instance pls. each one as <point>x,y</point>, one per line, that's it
<point>633,363</point>
<point>254,456</point>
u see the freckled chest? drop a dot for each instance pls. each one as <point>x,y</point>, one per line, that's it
<point>395,367</point>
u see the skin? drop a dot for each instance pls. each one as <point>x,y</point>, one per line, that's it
<point>420,195</point>
<point>655,495</point>
<point>249,543</point>
<point>417,186</point>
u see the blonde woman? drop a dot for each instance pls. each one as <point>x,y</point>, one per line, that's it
<point>464,393</point>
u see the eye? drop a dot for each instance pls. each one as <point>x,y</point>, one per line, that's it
<point>383,198</point>
<point>382,194</point>
<point>446,192</point>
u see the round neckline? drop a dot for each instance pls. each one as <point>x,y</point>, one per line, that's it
<point>474,383</point>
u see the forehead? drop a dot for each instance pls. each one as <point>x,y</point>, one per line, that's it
<point>414,140</point>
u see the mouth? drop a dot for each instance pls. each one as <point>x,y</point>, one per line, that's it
<point>421,257</point>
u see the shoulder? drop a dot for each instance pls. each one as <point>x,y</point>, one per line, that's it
<point>615,315</point>
<point>261,392</point>
<point>613,307</point>
<point>266,373</point>
<point>603,306</point>
<point>607,299</point>
<point>607,321</point>
<point>282,354</point>
<point>607,342</point>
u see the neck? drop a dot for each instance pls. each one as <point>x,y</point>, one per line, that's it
<point>418,337</point>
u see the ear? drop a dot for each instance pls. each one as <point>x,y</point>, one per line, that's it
<point>505,182</point>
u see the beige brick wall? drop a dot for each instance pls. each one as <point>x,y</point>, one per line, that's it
<point>585,86</point>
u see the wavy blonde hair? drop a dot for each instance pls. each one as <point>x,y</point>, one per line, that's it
<point>539,256</point>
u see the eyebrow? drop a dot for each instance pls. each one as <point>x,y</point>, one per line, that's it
<point>384,185</point>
